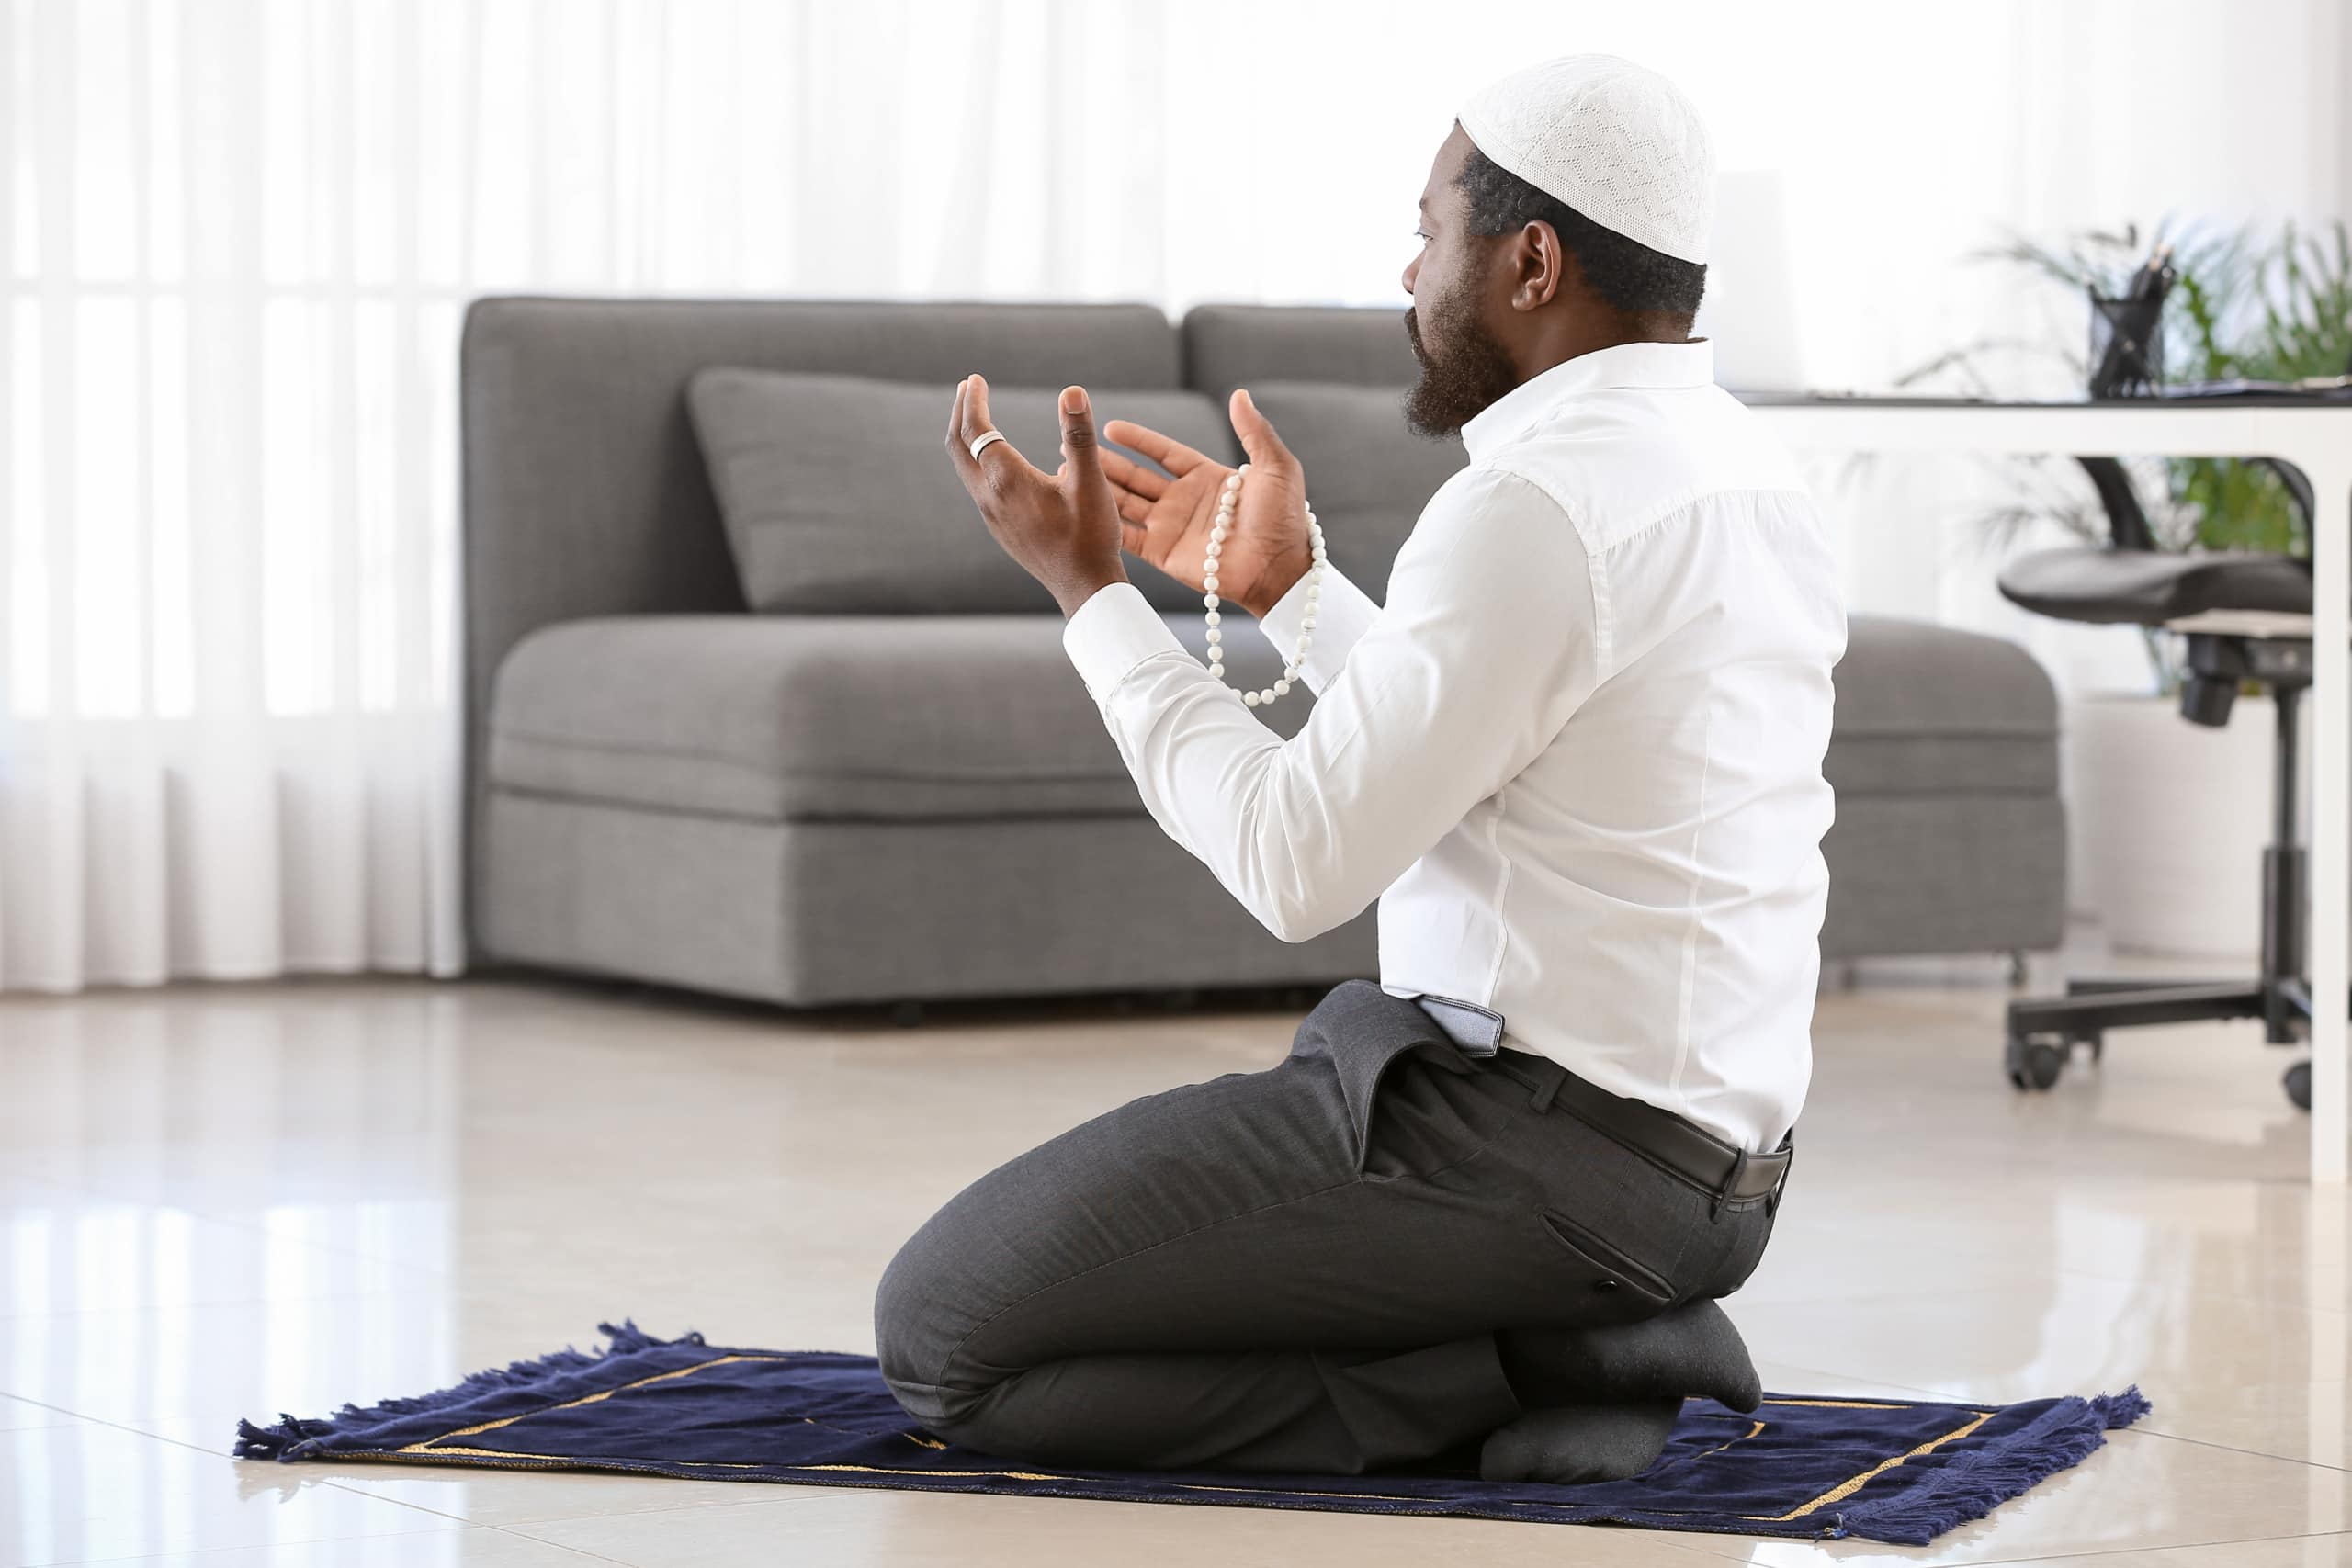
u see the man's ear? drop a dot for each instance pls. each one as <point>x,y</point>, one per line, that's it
<point>1542,262</point>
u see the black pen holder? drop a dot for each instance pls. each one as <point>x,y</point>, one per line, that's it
<point>2126,346</point>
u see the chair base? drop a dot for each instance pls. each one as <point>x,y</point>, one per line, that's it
<point>2217,667</point>
<point>2090,1007</point>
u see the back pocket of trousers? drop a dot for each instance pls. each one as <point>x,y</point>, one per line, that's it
<point>1606,1270</point>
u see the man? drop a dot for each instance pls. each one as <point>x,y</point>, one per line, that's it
<point>1483,1209</point>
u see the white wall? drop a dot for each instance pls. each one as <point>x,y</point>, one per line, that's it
<point>1274,149</point>
<point>236,236</point>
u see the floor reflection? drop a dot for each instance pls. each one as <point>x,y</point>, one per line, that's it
<point>237,1202</point>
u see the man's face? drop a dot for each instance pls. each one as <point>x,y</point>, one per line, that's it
<point>1464,367</point>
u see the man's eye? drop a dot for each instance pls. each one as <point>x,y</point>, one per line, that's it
<point>1422,237</point>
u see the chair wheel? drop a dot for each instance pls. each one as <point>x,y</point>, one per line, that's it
<point>2032,1064</point>
<point>2299,1084</point>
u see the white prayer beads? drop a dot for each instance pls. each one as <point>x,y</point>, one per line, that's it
<point>1228,501</point>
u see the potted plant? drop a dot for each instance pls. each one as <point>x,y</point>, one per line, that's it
<point>2168,819</point>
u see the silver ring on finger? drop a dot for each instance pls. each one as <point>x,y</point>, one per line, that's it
<point>980,442</point>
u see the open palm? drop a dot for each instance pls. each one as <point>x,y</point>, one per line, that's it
<point>1165,518</point>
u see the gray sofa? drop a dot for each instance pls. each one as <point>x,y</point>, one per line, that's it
<point>882,800</point>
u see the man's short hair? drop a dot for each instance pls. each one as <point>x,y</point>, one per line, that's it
<point>1626,273</point>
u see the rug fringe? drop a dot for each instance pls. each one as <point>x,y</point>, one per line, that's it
<point>271,1442</point>
<point>1971,1488</point>
<point>291,1438</point>
<point>2119,1410</point>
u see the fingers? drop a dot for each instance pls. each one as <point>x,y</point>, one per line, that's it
<point>1129,475</point>
<point>975,410</point>
<point>1257,433</point>
<point>966,423</point>
<point>959,451</point>
<point>1165,451</point>
<point>1134,487</point>
<point>1083,468</point>
<point>1133,508</point>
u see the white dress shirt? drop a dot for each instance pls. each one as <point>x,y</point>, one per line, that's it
<point>1577,757</point>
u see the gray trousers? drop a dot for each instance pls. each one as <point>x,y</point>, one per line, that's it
<point>1301,1269</point>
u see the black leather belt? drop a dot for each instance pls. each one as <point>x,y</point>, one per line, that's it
<point>1725,1171</point>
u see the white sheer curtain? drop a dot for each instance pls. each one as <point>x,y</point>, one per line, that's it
<point>236,237</point>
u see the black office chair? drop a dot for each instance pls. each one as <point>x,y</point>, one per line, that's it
<point>2247,619</point>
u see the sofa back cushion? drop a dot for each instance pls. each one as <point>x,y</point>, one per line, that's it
<point>1368,476</point>
<point>838,494</point>
<point>1244,346</point>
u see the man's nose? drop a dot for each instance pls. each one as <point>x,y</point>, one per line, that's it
<point>1412,271</point>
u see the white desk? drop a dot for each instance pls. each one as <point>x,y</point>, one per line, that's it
<point>2316,438</point>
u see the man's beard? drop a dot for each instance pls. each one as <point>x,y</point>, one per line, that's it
<point>1464,367</point>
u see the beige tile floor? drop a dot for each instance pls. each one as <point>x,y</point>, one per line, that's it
<point>226,1201</point>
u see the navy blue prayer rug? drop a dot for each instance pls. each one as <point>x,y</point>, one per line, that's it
<point>1893,1471</point>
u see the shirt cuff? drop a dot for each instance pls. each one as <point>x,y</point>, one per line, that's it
<point>1342,614</point>
<point>1113,632</point>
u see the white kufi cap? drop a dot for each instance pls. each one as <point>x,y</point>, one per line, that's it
<point>1619,143</point>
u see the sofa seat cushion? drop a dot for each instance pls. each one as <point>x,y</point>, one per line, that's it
<point>789,718</point>
<point>1926,709</point>
<point>793,718</point>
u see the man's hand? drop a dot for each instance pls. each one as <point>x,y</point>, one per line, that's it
<point>1063,528</point>
<point>1167,520</point>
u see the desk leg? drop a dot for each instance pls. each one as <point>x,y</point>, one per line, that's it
<point>2331,926</point>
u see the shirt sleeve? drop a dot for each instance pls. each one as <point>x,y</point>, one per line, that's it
<point>1482,651</point>
<point>1343,614</point>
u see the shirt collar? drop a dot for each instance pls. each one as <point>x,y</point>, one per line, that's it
<point>1654,366</point>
